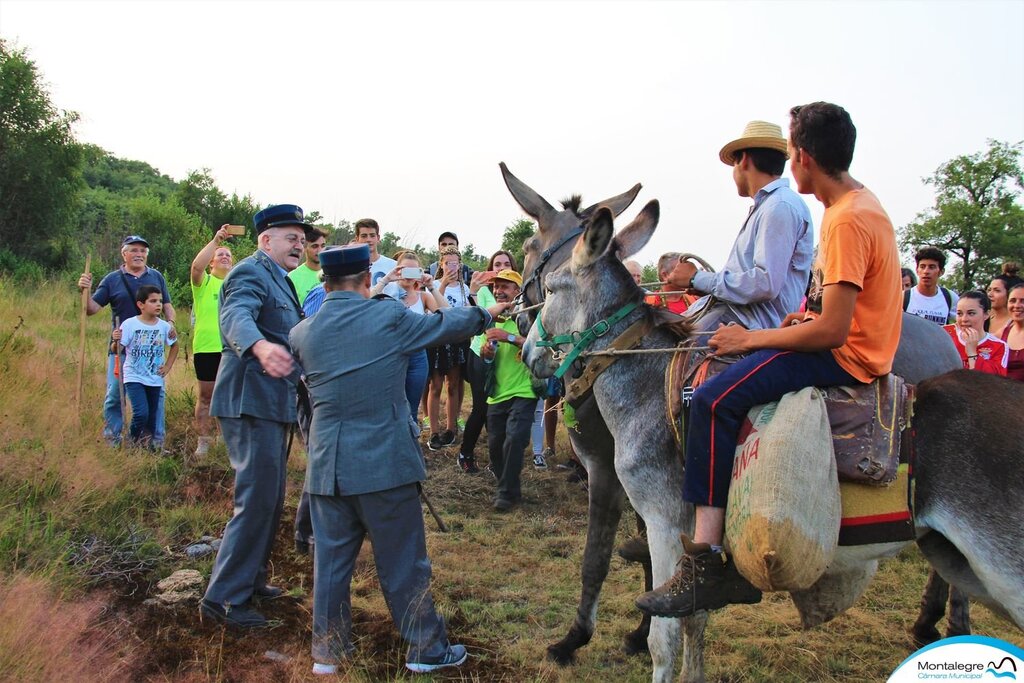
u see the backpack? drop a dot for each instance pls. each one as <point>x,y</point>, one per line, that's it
<point>945,295</point>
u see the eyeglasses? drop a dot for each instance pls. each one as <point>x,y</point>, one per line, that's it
<point>293,239</point>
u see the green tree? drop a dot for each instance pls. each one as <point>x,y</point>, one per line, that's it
<point>514,236</point>
<point>199,195</point>
<point>977,215</point>
<point>40,165</point>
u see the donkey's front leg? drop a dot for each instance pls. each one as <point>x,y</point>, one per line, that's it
<point>605,510</point>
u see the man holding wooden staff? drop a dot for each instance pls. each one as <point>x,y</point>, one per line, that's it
<point>118,289</point>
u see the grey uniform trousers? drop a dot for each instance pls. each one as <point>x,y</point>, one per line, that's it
<point>257,451</point>
<point>394,521</point>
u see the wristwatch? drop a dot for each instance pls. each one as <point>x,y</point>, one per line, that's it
<point>511,339</point>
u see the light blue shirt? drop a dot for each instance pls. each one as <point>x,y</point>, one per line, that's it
<point>314,300</point>
<point>765,276</point>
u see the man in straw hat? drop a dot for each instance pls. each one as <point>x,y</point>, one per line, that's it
<point>365,464</point>
<point>766,274</point>
<point>853,340</point>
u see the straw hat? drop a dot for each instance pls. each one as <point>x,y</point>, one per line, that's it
<point>759,134</point>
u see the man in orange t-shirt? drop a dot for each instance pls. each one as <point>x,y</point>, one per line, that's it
<point>853,340</point>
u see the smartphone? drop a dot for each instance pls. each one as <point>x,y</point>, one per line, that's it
<point>412,273</point>
<point>236,229</point>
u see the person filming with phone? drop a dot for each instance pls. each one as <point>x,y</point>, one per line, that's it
<point>411,286</point>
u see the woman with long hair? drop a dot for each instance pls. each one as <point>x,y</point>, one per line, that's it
<point>1013,334</point>
<point>446,363</point>
<point>978,349</point>
<point>480,290</point>
<point>998,317</point>
<point>415,293</point>
<point>209,268</point>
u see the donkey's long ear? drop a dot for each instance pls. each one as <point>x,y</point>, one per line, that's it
<point>618,203</point>
<point>533,204</point>
<point>594,241</point>
<point>634,236</point>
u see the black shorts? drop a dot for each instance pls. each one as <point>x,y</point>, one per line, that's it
<point>206,365</point>
<point>443,359</point>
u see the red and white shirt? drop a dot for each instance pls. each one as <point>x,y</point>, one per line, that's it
<point>993,352</point>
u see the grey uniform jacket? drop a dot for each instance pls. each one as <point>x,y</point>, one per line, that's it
<point>255,303</point>
<point>354,353</point>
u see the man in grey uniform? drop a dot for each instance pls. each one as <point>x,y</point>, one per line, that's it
<point>254,401</point>
<point>365,463</point>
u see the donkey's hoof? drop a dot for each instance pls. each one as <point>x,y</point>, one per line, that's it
<point>924,635</point>
<point>635,643</point>
<point>561,654</point>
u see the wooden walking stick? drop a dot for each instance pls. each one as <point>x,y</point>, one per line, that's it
<point>119,375</point>
<point>81,338</point>
<point>430,506</point>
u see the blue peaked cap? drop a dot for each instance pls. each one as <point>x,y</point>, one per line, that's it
<point>279,216</point>
<point>347,260</point>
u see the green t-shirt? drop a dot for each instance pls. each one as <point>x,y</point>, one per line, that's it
<point>512,377</point>
<point>205,303</point>
<point>484,299</point>
<point>304,278</point>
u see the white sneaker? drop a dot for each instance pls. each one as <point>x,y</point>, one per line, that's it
<point>203,447</point>
<point>324,669</point>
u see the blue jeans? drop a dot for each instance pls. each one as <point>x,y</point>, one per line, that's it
<point>113,421</point>
<point>145,402</point>
<point>415,381</point>
<point>721,404</point>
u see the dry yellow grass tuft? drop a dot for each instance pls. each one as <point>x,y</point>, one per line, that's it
<point>44,638</point>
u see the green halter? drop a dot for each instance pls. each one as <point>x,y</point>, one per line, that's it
<point>579,340</point>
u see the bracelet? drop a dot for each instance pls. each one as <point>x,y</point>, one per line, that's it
<point>972,357</point>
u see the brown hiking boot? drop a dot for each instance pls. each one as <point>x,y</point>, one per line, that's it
<point>635,550</point>
<point>704,580</point>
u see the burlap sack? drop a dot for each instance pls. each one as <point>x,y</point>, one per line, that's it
<point>782,517</point>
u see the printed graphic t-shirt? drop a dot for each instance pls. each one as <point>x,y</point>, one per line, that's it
<point>144,350</point>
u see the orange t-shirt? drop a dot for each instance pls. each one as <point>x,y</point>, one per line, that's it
<point>858,246</point>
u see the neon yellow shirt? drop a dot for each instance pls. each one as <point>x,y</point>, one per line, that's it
<point>205,303</point>
<point>512,377</point>
<point>304,278</point>
<point>484,299</point>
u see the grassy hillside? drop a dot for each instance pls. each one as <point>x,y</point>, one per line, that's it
<point>85,533</point>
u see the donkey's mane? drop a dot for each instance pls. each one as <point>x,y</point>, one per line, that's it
<point>572,203</point>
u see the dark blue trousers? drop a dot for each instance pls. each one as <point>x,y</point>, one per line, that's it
<point>720,404</point>
<point>145,401</point>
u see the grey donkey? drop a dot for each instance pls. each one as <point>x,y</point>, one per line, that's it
<point>983,557</point>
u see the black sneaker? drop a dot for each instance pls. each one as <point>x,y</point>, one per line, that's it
<point>447,438</point>
<point>467,463</point>
<point>435,442</point>
<point>454,655</point>
<point>539,463</point>
<point>242,616</point>
<point>704,580</point>
<point>503,504</point>
<point>268,592</point>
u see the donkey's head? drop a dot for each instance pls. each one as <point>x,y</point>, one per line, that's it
<point>592,289</point>
<point>557,230</point>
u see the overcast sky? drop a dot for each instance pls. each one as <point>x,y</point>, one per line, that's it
<point>402,111</point>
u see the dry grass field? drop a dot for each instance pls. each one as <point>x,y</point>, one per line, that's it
<point>86,532</point>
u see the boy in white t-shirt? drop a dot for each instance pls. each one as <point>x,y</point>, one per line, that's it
<point>143,339</point>
<point>928,299</point>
